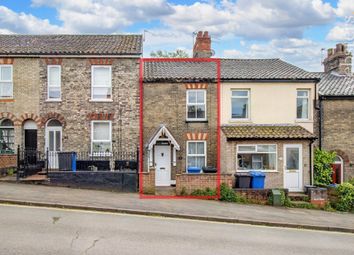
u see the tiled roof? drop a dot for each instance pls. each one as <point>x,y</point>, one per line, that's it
<point>245,131</point>
<point>231,69</point>
<point>336,85</point>
<point>70,44</point>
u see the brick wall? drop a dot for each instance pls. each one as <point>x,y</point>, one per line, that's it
<point>8,161</point>
<point>191,182</point>
<point>273,179</point>
<point>338,131</point>
<point>149,181</point>
<point>165,103</point>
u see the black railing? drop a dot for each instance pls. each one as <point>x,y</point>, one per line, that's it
<point>32,161</point>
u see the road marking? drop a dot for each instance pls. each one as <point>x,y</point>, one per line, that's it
<point>165,218</point>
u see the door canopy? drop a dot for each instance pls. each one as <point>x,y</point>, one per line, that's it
<point>165,134</point>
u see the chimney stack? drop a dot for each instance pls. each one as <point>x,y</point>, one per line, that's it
<point>202,45</point>
<point>338,60</point>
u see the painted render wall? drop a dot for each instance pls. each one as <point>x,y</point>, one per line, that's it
<point>270,103</point>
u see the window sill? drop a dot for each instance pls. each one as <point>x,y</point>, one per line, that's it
<point>196,121</point>
<point>7,100</point>
<point>53,100</point>
<point>101,100</point>
<point>263,171</point>
<point>240,120</point>
<point>303,121</point>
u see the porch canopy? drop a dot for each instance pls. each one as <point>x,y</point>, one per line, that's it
<point>162,134</point>
<point>256,131</point>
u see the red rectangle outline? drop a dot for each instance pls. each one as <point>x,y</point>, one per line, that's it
<point>141,125</point>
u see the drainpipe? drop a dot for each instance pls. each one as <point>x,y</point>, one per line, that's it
<point>311,170</point>
<point>320,121</point>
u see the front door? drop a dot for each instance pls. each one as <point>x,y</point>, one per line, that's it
<point>163,165</point>
<point>31,145</point>
<point>293,167</point>
<point>53,145</point>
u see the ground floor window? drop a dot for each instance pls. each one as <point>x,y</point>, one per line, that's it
<point>256,157</point>
<point>7,136</point>
<point>196,154</point>
<point>101,137</point>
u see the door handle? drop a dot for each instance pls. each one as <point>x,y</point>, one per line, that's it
<point>162,168</point>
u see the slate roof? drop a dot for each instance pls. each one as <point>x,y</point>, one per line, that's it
<point>252,131</point>
<point>332,84</point>
<point>70,44</point>
<point>231,69</point>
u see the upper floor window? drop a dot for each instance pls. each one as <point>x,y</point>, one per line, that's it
<point>240,104</point>
<point>6,84</point>
<point>302,104</point>
<point>7,136</point>
<point>54,82</point>
<point>101,137</point>
<point>196,105</point>
<point>101,83</point>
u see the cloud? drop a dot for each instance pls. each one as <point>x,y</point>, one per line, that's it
<point>345,8</point>
<point>343,32</point>
<point>300,52</point>
<point>105,16</point>
<point>12,22</point>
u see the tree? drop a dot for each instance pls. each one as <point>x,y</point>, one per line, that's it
<point>172,54</point>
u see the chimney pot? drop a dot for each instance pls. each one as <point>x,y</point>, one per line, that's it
<point>338,60</point>
<point>202,45</point>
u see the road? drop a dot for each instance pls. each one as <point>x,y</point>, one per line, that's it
<point>33,230</point>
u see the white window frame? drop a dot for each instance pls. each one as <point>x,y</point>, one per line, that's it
<point>248,104</point>
<point>308,104</point>
<point>196,104</point>
<point>196,155</point>
<point>12,83</point>
<point>110,138</point>
<point>50,86</point>
<point>110,83</point>
<point>255,152</point>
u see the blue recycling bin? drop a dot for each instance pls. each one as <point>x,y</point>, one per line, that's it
<point>73,161</point>
<point>257,179</point>
<point>194,170</point>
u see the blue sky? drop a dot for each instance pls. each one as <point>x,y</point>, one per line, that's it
<point>294,30</point>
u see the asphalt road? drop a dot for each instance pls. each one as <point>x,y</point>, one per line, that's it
<point>32,230</point>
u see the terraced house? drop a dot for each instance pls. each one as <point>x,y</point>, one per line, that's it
<point>69,93</point>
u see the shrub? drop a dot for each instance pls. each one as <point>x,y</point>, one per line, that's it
<point>284,200</point>
<point>183,191</point>
<point>345,201</point>
<point>229,195</point>
<point>351,181</point>
<point>323,167</point>
<point>206,192</point>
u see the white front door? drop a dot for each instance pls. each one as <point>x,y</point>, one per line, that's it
<point>53,145</point>
<point>293,167</point>
<point>163,165</point>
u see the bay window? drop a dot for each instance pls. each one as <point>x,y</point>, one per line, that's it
<point>54,82</point>
<point>101,83</point>
<point>196,105</point>
<point>101,137</point>
<point>240,104</point>
<point>256,157</point>
<point>6,83</point>
<point>302,104</point>
<point>196,154</point>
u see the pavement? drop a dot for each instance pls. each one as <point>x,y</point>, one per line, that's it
<point>130,203</point>
<point>33,231</point>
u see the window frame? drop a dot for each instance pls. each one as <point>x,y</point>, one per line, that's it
<point>196,104</point>
<point>48,85</point>
<point>9,128</point>
<point>256,152</point>
<point>308,104</point>
<point>92,83</point>
<point>196,155</point>
<point>110,138</point>
<point>12,82</point>
<point>248,104</point>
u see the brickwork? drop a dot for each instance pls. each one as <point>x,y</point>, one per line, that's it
<point>149,181</point>
<point>76,110</point>
<point>273,179</point>
<point>8,161</point>
<point>338,131</point>
<point>165,103</point>
<point>191,182</point>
